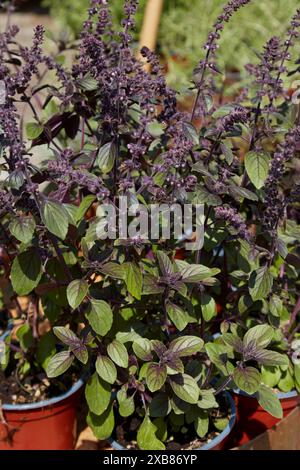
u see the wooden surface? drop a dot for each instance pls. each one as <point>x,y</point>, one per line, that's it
<point>284,436</point>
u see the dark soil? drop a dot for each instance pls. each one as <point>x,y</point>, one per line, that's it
<point>32,389</point>
<point>125,431</point>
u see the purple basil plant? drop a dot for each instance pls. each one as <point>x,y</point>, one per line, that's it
<point>140,312</point>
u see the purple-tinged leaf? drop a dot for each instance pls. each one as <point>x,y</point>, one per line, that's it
<point>67,336</point>
<point>118,353</point>
<point>270,358</point>
<point>156,376</point>
<point>158,347</point>
<point>247,379</point>
<point>186,345</point>
<point>178,316</point>
<point>234,341</point>
<point>165,263</point>
<point>81,354</point>
<point>142,348</point>
<point>59,364</point>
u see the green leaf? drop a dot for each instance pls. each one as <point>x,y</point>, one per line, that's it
<point>106,369</point>
<point>203,196</point>
<point>257,167</point>
<point>77,347</point>
<point>33,130</point>
<point>275,306</point>
<point>185,387</point>
<point>208,307</point>
<point>22,228</point>
<point>160,405</point>
<point>155,128</point>
<point>107,156</point>
<point>118,353</point>
<point>103,425</point>
<point>26,271</point>
<point>87,83</point>
<point>219,356</point>
<point>259,336</point>
<point>260,283</point>
<point>56,218</point>
<point>59,364</point>
<point>134,279</point>
<point>162,429</point>
<point>227,152</point>
<point>190,132</point>
<point>46,349</point>
<point>247,379</point>
<point>165,264</point>
<point>233,341</point>
<point>270,375</point>
<point>24,335</point>
<point>142,348</point>
<point>179,317</point>
<point>114,270</point>
<point>146,437</point>
<point>127,407</point>
<point>84,206</point>
<point>287,382</point>
<point>207,400</point>
<point>67,336</point>
<point>195,272</point>
<point>156,376</point>
<point>72,211</point>
<point>16,179</point>
<point>220,423</point>
<point>238,193</point>
<point>99,316</point>
<point>269,401</point>
<point>186,345</point>
<point>270,358</point>
<point>201,424</point>
<point>97,394</point>
<point>76,292</point>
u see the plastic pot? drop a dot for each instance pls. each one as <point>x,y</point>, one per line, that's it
<point>253,420</point>
<point>218,443</point>
<point>47,425</point>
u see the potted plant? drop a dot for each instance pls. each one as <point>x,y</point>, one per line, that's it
<point>37,257</point>
<point>260,272</point>
<point>148,317</point>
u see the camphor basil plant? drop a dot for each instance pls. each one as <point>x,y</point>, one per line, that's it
<point>162,337</point>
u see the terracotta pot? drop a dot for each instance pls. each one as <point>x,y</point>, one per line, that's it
<point>253,420</point>
<point>47,425</point>
<point>218,443</point>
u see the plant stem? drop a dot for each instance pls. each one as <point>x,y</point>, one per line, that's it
<point>222,387</point>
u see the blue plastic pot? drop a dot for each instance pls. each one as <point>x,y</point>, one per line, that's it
<point>218,443</point>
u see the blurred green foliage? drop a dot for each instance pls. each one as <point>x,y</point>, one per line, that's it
<point>185,25</point>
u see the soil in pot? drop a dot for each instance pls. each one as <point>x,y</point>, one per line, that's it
<point>184,438</point>
<point>37,414</point>
<point>253,420</point>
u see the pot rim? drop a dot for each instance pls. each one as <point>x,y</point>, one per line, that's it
<point>210,445</point>
<point>44,403</point>
<point>280,395</point>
